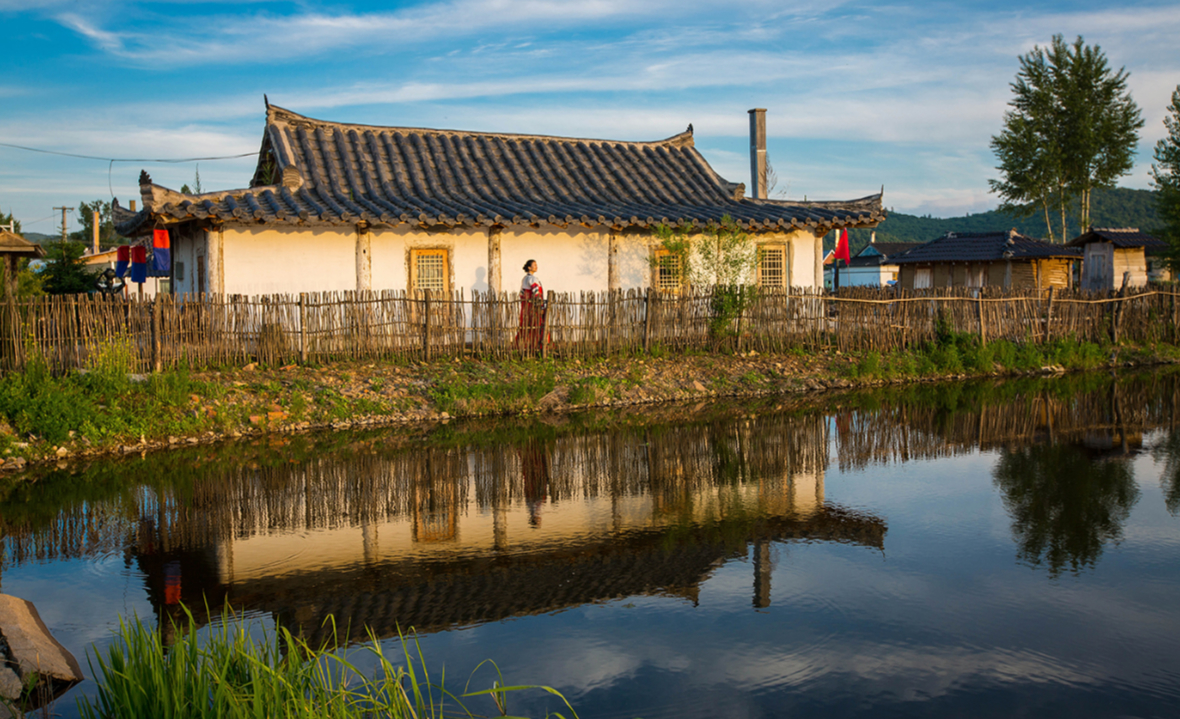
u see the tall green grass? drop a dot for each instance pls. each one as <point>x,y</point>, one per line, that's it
<point>229,673</point>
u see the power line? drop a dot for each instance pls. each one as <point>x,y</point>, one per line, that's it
<point>124,159</point>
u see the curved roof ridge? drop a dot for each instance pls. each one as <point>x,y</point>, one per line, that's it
<point>276,113</point>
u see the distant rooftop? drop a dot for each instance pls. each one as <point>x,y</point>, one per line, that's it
<point>985,247</point>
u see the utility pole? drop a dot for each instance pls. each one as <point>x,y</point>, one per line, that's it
<point>64,210</point>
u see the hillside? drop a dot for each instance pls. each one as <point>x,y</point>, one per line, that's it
<point>1120,207</point>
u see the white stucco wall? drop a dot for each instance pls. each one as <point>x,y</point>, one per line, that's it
<point>276,259</point>
<point>260,261</point>
<point>570,260</point>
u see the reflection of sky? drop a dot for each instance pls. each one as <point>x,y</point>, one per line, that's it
<point>944,622</point>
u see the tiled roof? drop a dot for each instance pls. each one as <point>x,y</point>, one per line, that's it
<point>384,598</point>
<point>984,247</point>
<point>1122,237</point>
<point>312,171</point>
<point>887,250</point>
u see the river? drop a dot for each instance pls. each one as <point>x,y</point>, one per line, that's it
<point>979,549</point>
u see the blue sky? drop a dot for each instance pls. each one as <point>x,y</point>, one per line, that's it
<point>858,95</point>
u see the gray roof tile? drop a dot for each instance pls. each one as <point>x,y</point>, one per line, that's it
<point>316,171</point>
<point>984,247</point>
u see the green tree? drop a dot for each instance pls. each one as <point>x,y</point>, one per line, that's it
<point>65,272</point>
<point>1165,174</point>
<point>722,255</point>
<point>196,188</point>
<point>106,224</point>
<point>1072,127</point>
<point>6,219</point>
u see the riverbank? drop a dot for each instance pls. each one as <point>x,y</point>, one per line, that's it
<point>106,410</point>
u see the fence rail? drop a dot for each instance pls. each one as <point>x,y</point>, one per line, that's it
<point>73,332</point>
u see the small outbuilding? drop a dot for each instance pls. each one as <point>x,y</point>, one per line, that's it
<point>1109,253</point>
<point>872,266</point>
<point>13,247</point>
<point>992,259</point>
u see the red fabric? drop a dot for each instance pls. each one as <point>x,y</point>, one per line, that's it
<point>138,255</point>
<point>123,254</point>
<point>160,239</point>
<point>532,319</point>
<point>842,247</point>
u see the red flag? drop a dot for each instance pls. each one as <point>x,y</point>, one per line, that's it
<point>842,247</point>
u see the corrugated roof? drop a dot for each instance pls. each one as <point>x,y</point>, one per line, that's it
<point>326,172</point>
<point>984,247</point>
<point>1122,237</point>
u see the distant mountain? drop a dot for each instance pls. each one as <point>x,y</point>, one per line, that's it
<point>40,238</point>
<point>1120,207</point>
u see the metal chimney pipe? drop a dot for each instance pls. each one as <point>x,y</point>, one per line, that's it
<point>758,152</point>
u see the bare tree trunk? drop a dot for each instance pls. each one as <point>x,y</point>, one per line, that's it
<point>1064,226</point>
<point>1048,222</point>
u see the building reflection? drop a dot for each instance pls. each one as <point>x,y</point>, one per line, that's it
<point>386,535</point>
<point>438,538</point>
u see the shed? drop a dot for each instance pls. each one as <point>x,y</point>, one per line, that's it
<point>13,247</point>
<point>1109,253</point>
<point>977,259</point>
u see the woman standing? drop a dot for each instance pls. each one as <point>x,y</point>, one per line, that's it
<point>532,309</point>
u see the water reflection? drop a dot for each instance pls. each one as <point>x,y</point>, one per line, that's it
<point>1064,505</point>
<point>475,524</point>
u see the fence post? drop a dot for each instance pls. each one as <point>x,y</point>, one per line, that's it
<point>426,326</point>
<point>1048,316</point>
<point>648,300</point>
<point>157,364</point>
<point>302,328</point>
<point>979,314</point>
<point>1118,309</point>
<point>543,325</point>
<point>1174,318</point>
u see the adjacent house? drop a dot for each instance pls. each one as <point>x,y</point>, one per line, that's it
<point>1110,253</point>
<point>872,266</point>
<point>994,259</point>
<point>335,206</point>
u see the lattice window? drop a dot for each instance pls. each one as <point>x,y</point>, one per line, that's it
<point>669,274</point>
<point>772,266</point>
<point>429,270</point>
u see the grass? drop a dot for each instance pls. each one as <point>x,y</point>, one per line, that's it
<point>959,353</point>
<point>476,388</point>
<point>229,674</point>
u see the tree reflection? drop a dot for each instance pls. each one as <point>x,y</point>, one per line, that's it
<point>1169,452</point>
<point>1064,505</point>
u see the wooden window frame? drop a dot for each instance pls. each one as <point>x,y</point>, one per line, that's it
<point>786,266</point>
<point>417,253</point>
<point>659,256</point>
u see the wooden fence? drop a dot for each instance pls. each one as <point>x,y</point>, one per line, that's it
<point>72,332</point>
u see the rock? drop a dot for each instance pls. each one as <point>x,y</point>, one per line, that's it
<point>62,452</point>
<point>250,367</point>
<point>696,384</point>
<point>551,400</point>
<point>10,684</point>
<point>33,655</point>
